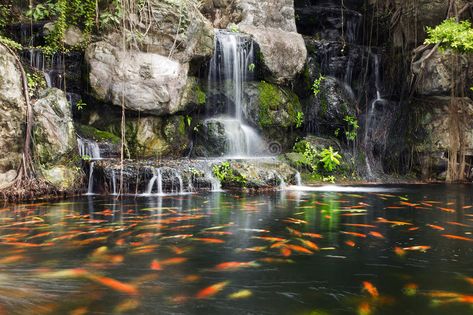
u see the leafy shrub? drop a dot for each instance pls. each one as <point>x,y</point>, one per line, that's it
<point>226,174</point>
<point>353,127</point>
<point>330,159</point>
<point>451,34</point>
<point>316,86</point>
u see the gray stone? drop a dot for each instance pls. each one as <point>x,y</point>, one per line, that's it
<point>276,14</point>
<point>12,117</point>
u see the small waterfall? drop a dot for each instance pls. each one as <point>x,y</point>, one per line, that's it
<point>371,118</point>
<point>181,183</point>
<point>90,188</point>
<point>298,179</point>
<point>158,179</point>
<point>52,67</point>
<point>282,183</point>
<point>88,148</point>
<point>233,57</point>
<point>114,183</point>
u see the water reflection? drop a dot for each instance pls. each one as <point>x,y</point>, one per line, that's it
<point>389,250</point>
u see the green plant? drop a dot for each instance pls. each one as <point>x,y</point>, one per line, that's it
<point>188,120</point>
<point>233,28</point>
<point>42,11</point>
<point>86,157</point>
<point>299,119</point>
<point>9,43</point>
<point>226,174</point>
<point>330,159</point>
<point>80,104</point>
<point>316,86</point>
<point>35,82</point>
<point>5,16</point>
<point>251,67</point>
<point>451,34</point>
<point>353,127</point>
<point>330,179</point>
<point>309,156</point>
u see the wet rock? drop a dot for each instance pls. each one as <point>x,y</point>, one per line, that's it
<point>55,139</point>
<point>72,36</point>
<point>436,77</point>
<point>283,54</point>
<point>12,117</point>
<point>210,139</point>
<point>277,14</point>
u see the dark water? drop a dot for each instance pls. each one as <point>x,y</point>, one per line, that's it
<point>99,255</point>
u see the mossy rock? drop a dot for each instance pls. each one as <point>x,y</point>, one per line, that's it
<point>90,132</point>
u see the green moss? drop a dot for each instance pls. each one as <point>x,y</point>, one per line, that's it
<point>200,95</point>
<point>228,176</point>
<point>96,134</point>
<point>272,99</point>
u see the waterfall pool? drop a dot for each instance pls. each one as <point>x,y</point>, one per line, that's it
<point>383,250</point>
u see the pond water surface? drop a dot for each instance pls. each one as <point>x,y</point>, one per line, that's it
<point>382,250</point>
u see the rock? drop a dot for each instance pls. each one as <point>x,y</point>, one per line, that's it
<point>282,53</point>
<point>12,117</point>
<point>269,106</point>
<point>72,36</point>
<point>330,106</point>
<point>55,139</point>
<point>436,77</point>
<point>155,137</point>
<point>276,14</point>
<point>210,139</point>
<point>430,135</point>
<point>145,82</point>
<point>174,29</point>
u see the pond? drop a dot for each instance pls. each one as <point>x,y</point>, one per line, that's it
<point>369,250</point>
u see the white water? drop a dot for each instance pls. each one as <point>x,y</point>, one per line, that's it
<point>298,179</point>
<point>88,148</point>
<point>181,183</point>
<point>229,68</point>
<point>156,179</point>
<point>52,67</point>
<point>90,188</point>
<point>282,183</point>
<point>335,188</point>
<point>114,183</point>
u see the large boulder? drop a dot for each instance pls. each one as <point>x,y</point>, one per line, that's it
<point>282,53</point>
<point>436,77</point>
<point>55,139</point>
<point>12,117</point>
<point>144,82</point>
<point>273,27</point>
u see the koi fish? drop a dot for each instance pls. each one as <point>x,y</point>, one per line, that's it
<point>458,224</point>
<point>399,251</point>
<point>410,289</point>
<point>11,259</point>
<point>313,235</point>
<point>456,237</point>
<point>208,240</point>
<point>242,294</point>
<point>252,249</point>
<point>271,260</point>
<point>376,234</point>
<point>359,225</point>
<point>370,288</point>
<point>383,220</point>
<point>211,290</point>
<point>270,239</point>
<point>421,248</point>
<point>350,243</point>
<point>308,244</point>
<point>294,232</point>
<point>353,234</point>
<point>435,227</point>
<point>235,265</point>
<point>364,308</point>
<point>299,249</point>
<point>114,284</point>
<point>448,210</point>
<point>295,221</point>
<point>286,252</point>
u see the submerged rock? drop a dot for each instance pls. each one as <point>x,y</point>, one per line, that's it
<point>55,139</point>
<point>12,117</point>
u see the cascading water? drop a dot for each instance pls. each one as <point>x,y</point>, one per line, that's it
<point>229,70</point>
<point>52,66</point>
<point>181,183</point>
<point>90,149</point>
<point>298,179</point>
<point>371,118</point>
<point>114,182</point>
<point>156,179</point>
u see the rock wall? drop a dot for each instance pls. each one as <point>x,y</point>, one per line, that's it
<point>12,117</point>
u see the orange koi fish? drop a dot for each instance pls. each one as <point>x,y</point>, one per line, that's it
<point>252,249</point>
<point>456,237</point>
<point>376,234</point>
<point>383,220</point>
<point>370,288</point>
<point>299,249</point>
<point>211,290</point>
<point>295,221</point>
<point>309,244</point>
<point>235,265</point>
<point>286,252</point>
<point>271,260</point>
<point>11,259</point>
<point>448,210</point>
<point>458,224</point>
<point>350,243</point>
<point>359,225</point>
<point>353,234</point>
<point>155,265</point>
<point>294,232</point>
<point>114,284</point>
<point>399,251</point>
<point>421,248</point>
<point>313,235</point>
<point>209,240</point>
<point>270,239</point>
<point>436,227</point>
<point>364,308</point>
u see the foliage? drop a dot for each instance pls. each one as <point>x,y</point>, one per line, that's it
<point>188,120</point>
<point>309,156</point>
<point>451,34</point>
<point>330,159</point>
<point>353,127</point>
<point>96,134</point>
<point>9,43</point>
<point>112,16</point>
<point>299,119</point>
<point>4,16</point>
<point>200,95</point>
<point>42,11</point>
<point>251,67</point>
<point>80,105</point>
<point>233,28</point>
<point>35,82</point>
<point>316,86</point>
<point>226,174</point>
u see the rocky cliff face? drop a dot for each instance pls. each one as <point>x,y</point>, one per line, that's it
<point>12,117</point>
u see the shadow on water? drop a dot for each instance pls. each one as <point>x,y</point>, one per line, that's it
<point>351,250</point>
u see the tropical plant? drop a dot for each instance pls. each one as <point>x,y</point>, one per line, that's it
<point>330,159</point>
<point>353,127</point>
<point>299,119</point>
<point>317,85</point>
<point>451,34</point>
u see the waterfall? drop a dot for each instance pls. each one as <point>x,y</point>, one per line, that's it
<point>233,57</point>
<point>298,179</point>
<point>88,148</point>
<point>52,66</point>
<point>181,183</point>
<point>158,179</point>
<point>114,182</point>
<point>371,118</point>
<point>90,188</point>
<point>282,183</point>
